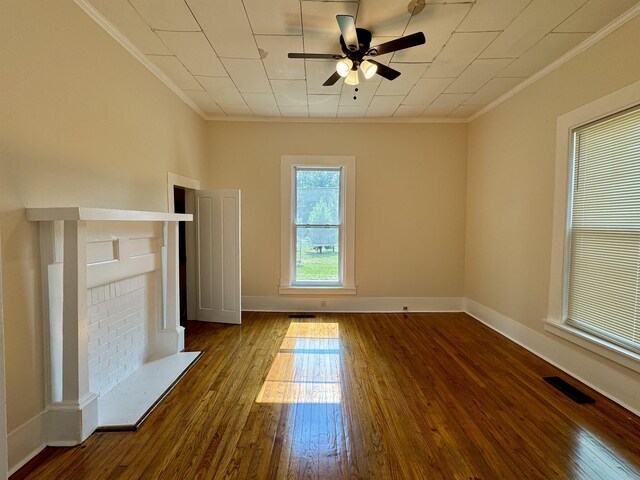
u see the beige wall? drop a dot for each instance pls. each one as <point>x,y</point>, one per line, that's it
<point>410,200</point>
<point>81,123</point>
<point>511,183</point>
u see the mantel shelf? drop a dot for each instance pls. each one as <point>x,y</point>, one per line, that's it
<point>103,214</point>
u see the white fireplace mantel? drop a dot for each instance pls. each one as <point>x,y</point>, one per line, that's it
<point>82,248</point>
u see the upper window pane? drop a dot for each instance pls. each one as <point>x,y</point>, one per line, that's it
<point>317,197</point>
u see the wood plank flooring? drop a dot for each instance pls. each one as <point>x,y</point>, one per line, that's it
<point>379,396</point>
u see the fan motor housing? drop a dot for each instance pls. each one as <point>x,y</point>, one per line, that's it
<point>364,42</point>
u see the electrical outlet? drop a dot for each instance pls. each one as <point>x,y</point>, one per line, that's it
<point>323,303</point>
<point>405,308</point>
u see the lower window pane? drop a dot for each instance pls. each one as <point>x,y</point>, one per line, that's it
<point>317,254</point>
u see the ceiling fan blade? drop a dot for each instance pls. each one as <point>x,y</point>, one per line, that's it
<point>318,56</point>
<point>385,72</point>
<point>332,80</point>
<point>409,41</point>
<point>348,29</point>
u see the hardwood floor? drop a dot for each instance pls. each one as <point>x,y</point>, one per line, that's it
<point>384,396</point>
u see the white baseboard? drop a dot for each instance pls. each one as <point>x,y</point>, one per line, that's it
<point>25,442</point>
<point>616,383</point>
<point>353,304</point>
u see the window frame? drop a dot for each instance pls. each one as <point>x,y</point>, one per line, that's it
<point>555,323</point>
<point>288,166</point>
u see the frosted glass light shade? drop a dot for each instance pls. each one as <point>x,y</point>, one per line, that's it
<point>352,78</point>
<point>369,69</point>
<point>343,67</point>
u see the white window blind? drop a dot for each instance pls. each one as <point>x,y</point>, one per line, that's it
<point>604,232</point>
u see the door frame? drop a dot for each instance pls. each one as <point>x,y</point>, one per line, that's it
<point>4,467</point>
<point>190,185</point>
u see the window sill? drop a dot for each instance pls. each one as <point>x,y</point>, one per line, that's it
<point>597,345</point>
<point>313,290</point>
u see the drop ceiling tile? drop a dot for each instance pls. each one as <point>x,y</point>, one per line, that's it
<point>410,74</point>
<point>173,69</point>
<point>365,93</point>
<point>222,90</point>
<point>426,91</point>
<point>492,90</point>
<point>166,14</point>
<point>294,111</point>
<point>436,21</point>
<point>478,73</point>
<point>465,111</point>
<point>535,21</point>
<point>409,111</point>
<point>290,93</point>
<point>248,75</point>
<point>318,71</point>
<point>195,53</point>
<point>321,30</point>
<point>445,104</point>
<point>384,106</point>
<point>350,111</point>
<point>458,53</point>
<point>127,21</point>
<point>384,17</point>
<point>205,103</point>
<point>226,25</point>
<point>274,17</point>
<point>262,104</point>
<point>594,15</point>
<point>543,53</point>
<point>492,15</point>
<point>237,110</point>
<point>323,105</point>
<point>276,62</point>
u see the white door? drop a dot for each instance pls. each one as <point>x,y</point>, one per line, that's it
<point>218,244</point>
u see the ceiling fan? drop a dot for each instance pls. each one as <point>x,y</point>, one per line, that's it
<point>356,44</point>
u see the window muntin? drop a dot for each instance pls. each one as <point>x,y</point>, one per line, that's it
<point>318,226</point>
<point>603,281</point>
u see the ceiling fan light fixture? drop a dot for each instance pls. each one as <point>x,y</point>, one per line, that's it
<point>352,78</point>
<point>343,67</point>
<point>369,69</point>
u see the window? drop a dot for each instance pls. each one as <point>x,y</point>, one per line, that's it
<point>603,282</point>
<point>318,208</point>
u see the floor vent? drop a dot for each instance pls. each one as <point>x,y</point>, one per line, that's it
<point>300,315</point>
<point>570,391</point>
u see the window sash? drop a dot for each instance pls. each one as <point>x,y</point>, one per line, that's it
<point>603,281</point>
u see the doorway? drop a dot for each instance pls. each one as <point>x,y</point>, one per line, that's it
<point>179,205</point>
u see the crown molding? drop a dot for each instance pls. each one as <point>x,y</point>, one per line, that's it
<point>577,50</point>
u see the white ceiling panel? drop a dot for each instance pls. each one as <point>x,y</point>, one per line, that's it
<point>318,71</point>
<point>237,110</point>
<point>226,25</point>
<point>437,22</point>
<point>248,75</point>
<point>263,22</point>
<point>546,50</point>
<point>594,15</point>
<point>294,111</point>
<point>445,104</point>
<point>323,105</point>
<point>195,53</point>
<point>465,111</point>
<point>122,15</point>
<point>173,69</point>
<point>492,15</point>
<point>410,74</point>
<point>493,89</point>
<point>458,53</point>
<point>384,106</point>
<point>262,104</point>
<point>384,17</point>
<point>205,103</point>
<point>535,21</point>
<point>222,90</point>
<point>426,91</point>
<point>276,63</point>
<point>409,111</point>
<point>363,96</point>
<point>478,73</point>
<point>166,14</point>
<point>290,93</point>
<point>350,111</point>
